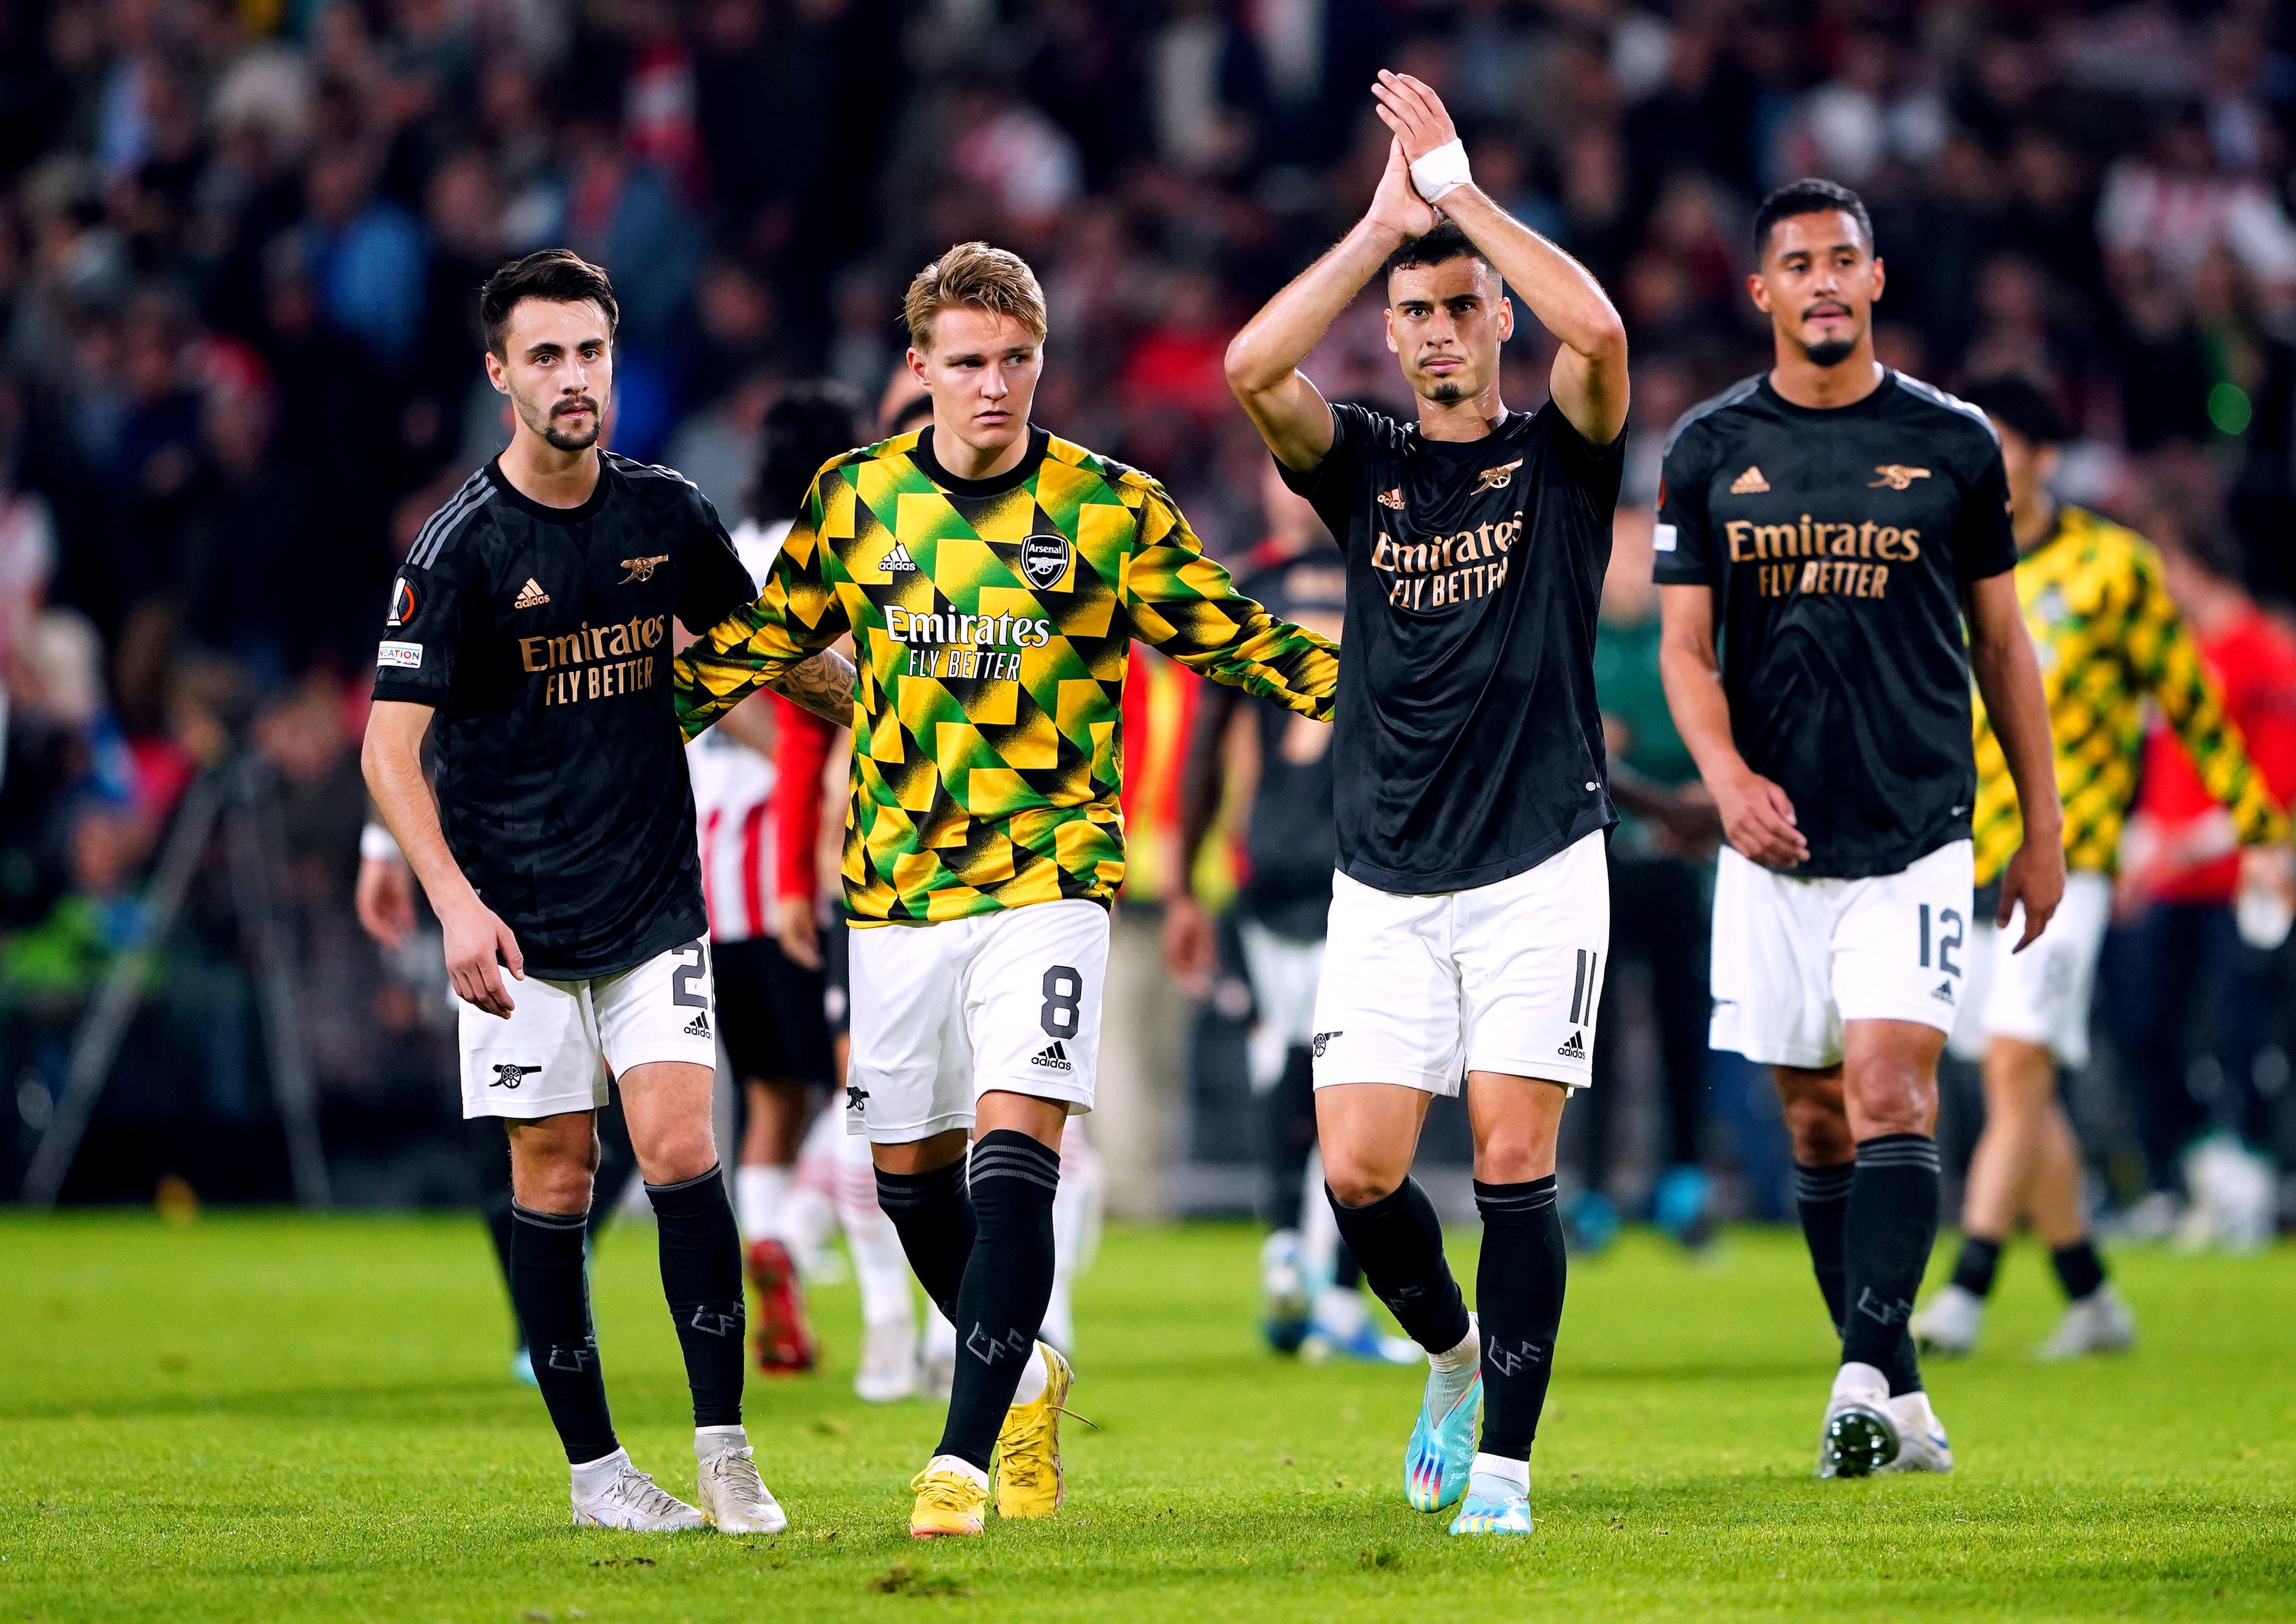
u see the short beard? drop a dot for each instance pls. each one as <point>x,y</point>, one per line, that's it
<point>1445,392</point>
<point>563,441</point>
<point>1830,352</point>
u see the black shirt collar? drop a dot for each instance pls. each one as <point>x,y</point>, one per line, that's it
<point>1012,478</point>
<point>542,511</point>
<point>1506,428</point>
<point>1871,401</point>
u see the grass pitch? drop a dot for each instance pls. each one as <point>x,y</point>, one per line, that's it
<point>272,1417</point>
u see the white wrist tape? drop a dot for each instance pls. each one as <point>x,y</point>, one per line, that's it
<point>1441,171</point>
<point>375,844</point>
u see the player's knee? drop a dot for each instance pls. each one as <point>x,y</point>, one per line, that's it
<point>1895,1098</point>
<point>1358,1182</point>
<point>675,1158</point>
<point>1820,1131</point>
<point>558,1184</point>
<point>1514,1155</point>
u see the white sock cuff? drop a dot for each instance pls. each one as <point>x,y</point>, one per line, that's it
<point>1859,1379</point>
<point>1502,1469</point>
<point>959,1464</point>
<point>598,1473</point>
<point>1469,1352</point>
<point>716,1440</point>
<point>1034,1378</point>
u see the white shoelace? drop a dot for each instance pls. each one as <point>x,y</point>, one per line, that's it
<point>735,1473</point>
<point>641,1493</point>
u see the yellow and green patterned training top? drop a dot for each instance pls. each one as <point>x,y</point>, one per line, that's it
<point>993,621</point>
<point>2109,636</point>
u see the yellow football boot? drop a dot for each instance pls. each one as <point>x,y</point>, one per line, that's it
<point>1028,1482</point>
<point>949,1502</point>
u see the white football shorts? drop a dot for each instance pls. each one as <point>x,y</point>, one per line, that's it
<point>946,1012</point>
<point>1284,975</point>
<point>1795,958</point>
<point>2040,996</point>
<point>565,1040</point>
<point>1504,977</point>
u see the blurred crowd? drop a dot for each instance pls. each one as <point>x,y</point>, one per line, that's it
<point>239,242</point>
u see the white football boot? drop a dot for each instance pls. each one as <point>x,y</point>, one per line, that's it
<point>611,1493</point>
<point>1949,1322</point>
<point>1921,1445</point>
<point>1860,1435</point>
<point>2099,1323</point>
<point>733,1496</point>
<point>889,1363</point>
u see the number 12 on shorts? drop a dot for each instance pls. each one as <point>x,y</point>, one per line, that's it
<point>1949,938</point>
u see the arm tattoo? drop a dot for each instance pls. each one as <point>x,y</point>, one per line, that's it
<point>823,685</point>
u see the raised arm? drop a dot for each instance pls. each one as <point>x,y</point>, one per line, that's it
<point>2009,677</point>
<point>391,757</point>
<point>1589,378</point>
<point>1263,360</point>
<point>1758,818</point>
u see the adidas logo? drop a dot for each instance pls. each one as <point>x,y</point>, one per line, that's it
<point>1574,1048</point>
<point>1943,992</point>
<point>531,596</point>
<point>899,559</point>
<point>1749,483</point>
<point>1053,1057</point>
<point>699,1027</point>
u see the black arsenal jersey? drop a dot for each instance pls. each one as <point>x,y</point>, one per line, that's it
<point>1838,543</point>
<point>1290,845</point>
<point>1469,745</point>
<point>542,637</point>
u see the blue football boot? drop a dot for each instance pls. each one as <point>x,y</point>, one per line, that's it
<point>1507,1511</point>
<point>1442,1449</point>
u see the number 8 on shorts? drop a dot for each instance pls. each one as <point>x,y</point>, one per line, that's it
<point>943,1013</point>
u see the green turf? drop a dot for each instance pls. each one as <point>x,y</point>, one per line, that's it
<point>268,1418</point>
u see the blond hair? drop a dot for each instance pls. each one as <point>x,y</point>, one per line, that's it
<point>975,276</point>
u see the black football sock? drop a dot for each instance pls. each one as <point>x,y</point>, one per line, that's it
<point>1399,1241</point>
<point>1823,1195</point>
<point>1887,1234</point>
<point>1287,1131</point>
<point>932,1213</point>
<point>552,1294</point>
<point>2079,1270</point>
<point>1517,1309</point>
<point>1975,1269</point>
<point>1008,1283</point>
<point>495,1209</point>
<point>1347,1274</point>
<point>702,1277</point>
